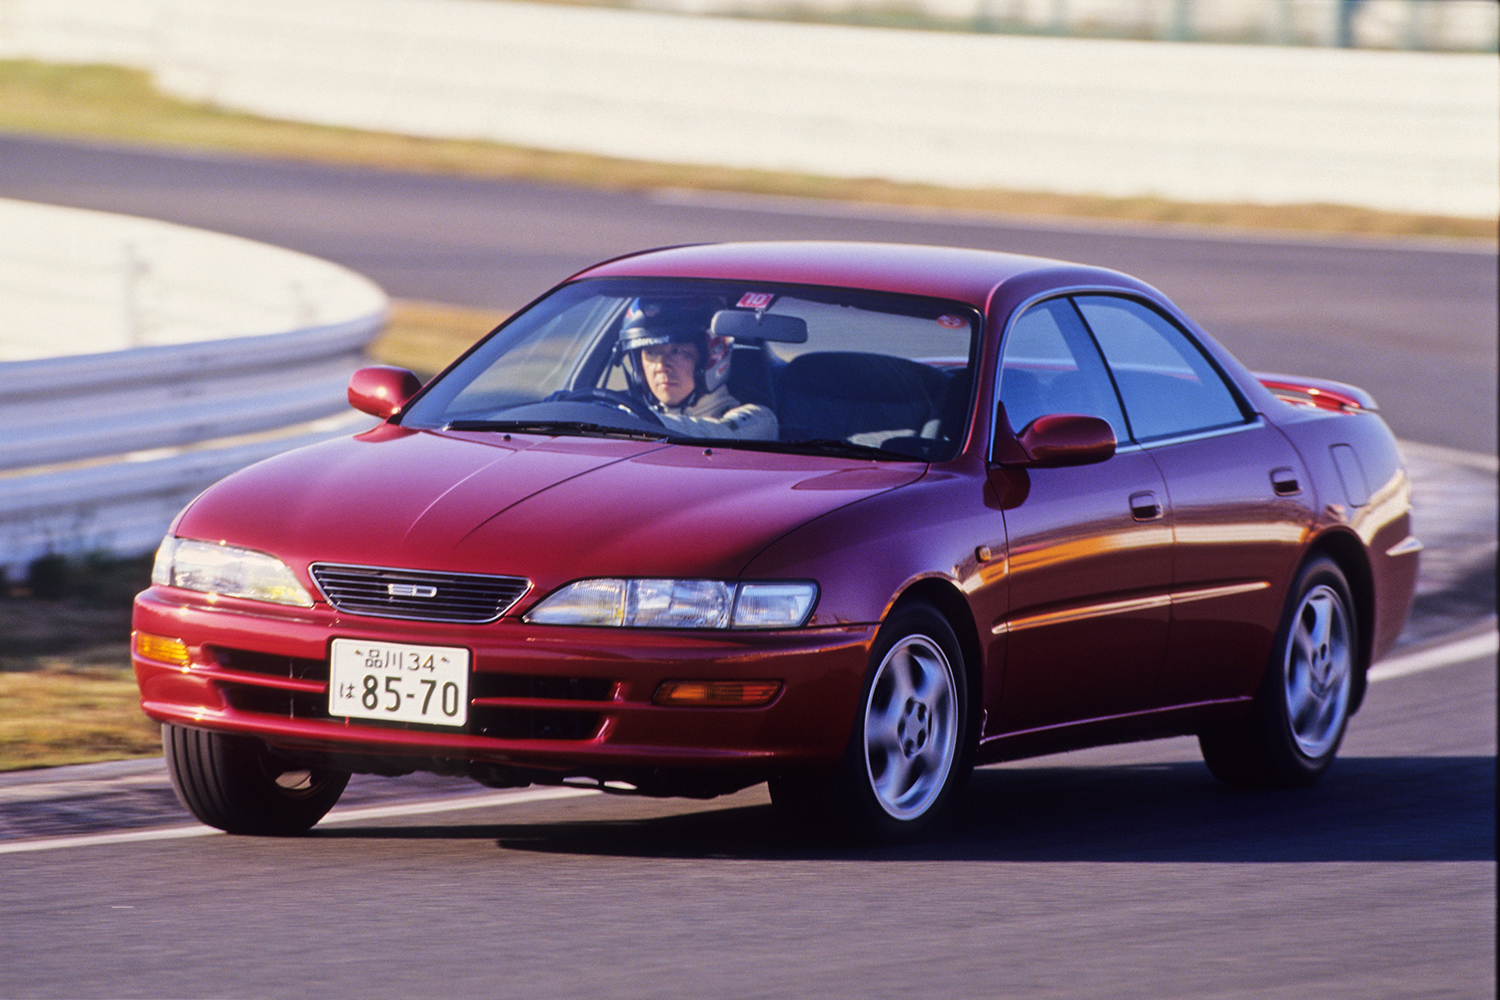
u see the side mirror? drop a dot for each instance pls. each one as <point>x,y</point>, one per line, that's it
<point>1067,439</point>
<point>381,391</point>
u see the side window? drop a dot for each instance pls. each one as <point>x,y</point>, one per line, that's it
<point>1166,382</point>
<point>1052,366</point>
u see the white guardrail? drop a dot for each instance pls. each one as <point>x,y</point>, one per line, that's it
<point>1397,130</point>
<point>141,361</point>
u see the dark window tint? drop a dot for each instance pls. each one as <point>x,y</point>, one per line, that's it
<point>1168,385</point>
<point>1051,366</point>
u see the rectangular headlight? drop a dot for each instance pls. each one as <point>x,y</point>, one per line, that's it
<point>227,570</point>
<point>773,605</point>
<point>705,604</point>
<point>678,603</point>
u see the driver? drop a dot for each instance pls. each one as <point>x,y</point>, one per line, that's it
<point>679,368</point>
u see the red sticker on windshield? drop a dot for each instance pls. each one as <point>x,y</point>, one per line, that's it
<point>952,322</point>
<point>755,300</point>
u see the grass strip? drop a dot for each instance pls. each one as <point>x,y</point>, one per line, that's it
<point>67,713</point>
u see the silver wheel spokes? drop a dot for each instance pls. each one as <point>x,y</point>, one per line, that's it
<point>1319,667</point>
<point>911,727</point>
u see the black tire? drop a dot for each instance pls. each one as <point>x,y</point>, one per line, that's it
<point>236,784</point>
<point>1301,710</point>
<point>908,748</point>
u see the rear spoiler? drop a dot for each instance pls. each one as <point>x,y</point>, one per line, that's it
<point>1324,394</point>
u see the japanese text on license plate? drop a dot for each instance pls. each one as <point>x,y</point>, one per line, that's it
<point>398,683</point>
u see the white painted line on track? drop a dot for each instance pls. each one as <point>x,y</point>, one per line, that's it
<point>351,815</point>
<point>1446,655</point>
<point>496,799</point>
<point>95,839</point>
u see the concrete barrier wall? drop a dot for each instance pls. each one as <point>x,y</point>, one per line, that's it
<point>141,361</point>
<point>1428,25</point>
<point>1404,131</point>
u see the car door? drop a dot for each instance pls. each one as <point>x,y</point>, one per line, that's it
<point>1236,488</point>
<point>1089,548</point>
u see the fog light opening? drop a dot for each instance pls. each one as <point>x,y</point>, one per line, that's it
<point>716,694</point>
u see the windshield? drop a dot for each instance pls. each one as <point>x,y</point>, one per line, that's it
<point>775,367</point>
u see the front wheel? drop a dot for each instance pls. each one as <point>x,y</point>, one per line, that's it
<point>1302,706</point>
<point>237,784</point>
<point>904,756</point>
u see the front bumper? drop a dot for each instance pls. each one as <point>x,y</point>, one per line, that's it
<point>546,702</point>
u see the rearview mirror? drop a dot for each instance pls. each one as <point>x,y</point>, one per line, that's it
<point>744,325</point>
<point>382,390</point>
<point>1060,439</point>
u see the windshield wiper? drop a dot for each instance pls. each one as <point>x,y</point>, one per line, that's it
<point>836,446</point>
<point>814,446</point>
<point>556,427</point>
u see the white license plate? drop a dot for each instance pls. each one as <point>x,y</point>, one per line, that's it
<point>398,683</point>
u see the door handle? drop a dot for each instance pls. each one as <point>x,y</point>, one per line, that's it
<point>1284,482</point>
<point>1144,506</point>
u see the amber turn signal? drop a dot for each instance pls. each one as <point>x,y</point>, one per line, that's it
<point>716,694</point>
<point>161,649</point>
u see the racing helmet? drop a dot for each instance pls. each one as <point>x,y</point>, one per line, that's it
<point>650,322</point>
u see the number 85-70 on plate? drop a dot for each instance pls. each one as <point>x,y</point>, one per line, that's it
<point>398,683</point>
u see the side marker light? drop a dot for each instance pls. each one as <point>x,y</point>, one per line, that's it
<point>716,694</point>
<point>161,649</point>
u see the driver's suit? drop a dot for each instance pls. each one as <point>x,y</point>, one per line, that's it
<point>717,414</point>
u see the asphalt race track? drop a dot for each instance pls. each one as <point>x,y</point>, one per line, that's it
<point>1115,873</point>
<point>1121,873</point>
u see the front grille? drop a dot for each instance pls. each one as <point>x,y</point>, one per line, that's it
<point>512,719</point>
<point>271,701</point>
<point>418,595</point>
<point>487,685</point>
<point>251,662</point>
<point>533,723</point>
<point>525,722</point>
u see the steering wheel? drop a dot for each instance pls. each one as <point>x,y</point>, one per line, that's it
<point>607,397</point>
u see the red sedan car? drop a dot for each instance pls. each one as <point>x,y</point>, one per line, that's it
<point>847,518</point>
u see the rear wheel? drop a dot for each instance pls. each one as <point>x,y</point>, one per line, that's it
<point>237,784</point>
<point>904,756</point>
<point>1302,707</point>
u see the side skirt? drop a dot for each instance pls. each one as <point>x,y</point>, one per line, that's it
<point>1155,724</point>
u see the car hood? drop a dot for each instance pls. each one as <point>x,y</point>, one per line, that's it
<point>550,509</point>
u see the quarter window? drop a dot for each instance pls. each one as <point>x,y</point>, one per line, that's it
<point>1168,385</point>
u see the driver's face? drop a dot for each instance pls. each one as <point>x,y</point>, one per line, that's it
<point>669,371</point>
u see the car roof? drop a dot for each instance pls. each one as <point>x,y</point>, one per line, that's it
<point>965,275</point>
